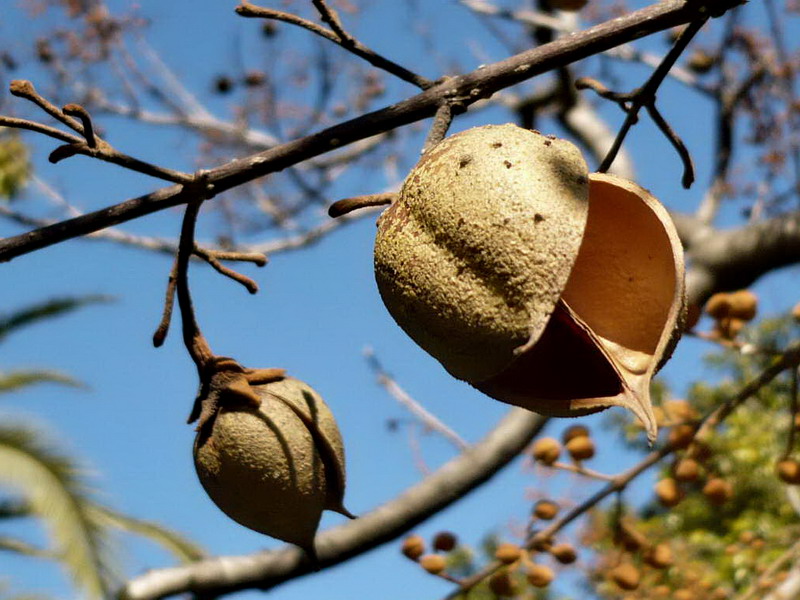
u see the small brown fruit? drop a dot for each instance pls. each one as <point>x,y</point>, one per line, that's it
<point>496,258</point>
<point>680,411</point>
<point>743,305</point>
<point>788,470</point>
<point>683,594</point>
<point>581,448</point>
<point>574,431</point>
<point>433,563</point>
<point>661,591</point>
<point>546,450</point>
<point>545,510</point>
<point>444,541</point>
<point>680,436</point>
<point>659,556</point>
<point>273,467</point>
<point>718,491</point>
<point>564,553</point>
<point>668,492</point>
<point>686,469</point>
<point>508,553</point>
<point>413,546</point>
<point>502,584</point>
<point>539,575</point>
<point>626,576</point>
<point>796,312</point>
<point>718,306</point>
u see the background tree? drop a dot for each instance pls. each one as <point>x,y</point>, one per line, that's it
<point>267,116</point>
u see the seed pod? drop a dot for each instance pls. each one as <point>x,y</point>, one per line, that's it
<point>668,492</point>
<point>743,305</point>
<point>505,260</point>
<point>444,541</point>
<point>502,584</point>
<point>413,546</point>
<point>546,450</point>
<point>581,448</point>
<point>626,576</point>
<point>574,431</point>
<point>539,575</point>
<point>680,436</point>
<point>545,510</point>
<point>686,469</point>
<point>718,306</point>
<point>718,491</point>
<point>508,553</point>
<point>788,470</point>
<point>659,556</point>
<point>564,553</point>
<point>433,563</point>
<point>275,467</point>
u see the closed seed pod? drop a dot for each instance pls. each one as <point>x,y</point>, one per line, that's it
<point>626,576</point>
<point>581,448</point>
<point>413,546</point>
<point>744,305</point>
<point>686,469</point>
<point>508,553</point>
<point>564,553</point>
<point>718,491</point>
<point>539,575</point>
<point>433,563</point>
<point>574,431</point>
<point>274,468</point>
<point>502,584</point>
<point>545,510</point>
<point>788,470</point>
<point>546,450</point>
<point>668,492</point>
<point>659,556</point>
<point>510,264</point>
<point>445,541</point>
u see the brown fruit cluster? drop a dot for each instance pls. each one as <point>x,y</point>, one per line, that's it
<point>546,450</point>
<point>578,443</point>
<point>497,258</point>
<point>414,547</point>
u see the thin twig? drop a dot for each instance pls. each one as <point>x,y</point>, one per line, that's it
<point>645,96</point>
<point>76,110</point>
<point>581,470</point>
<point>169,303</point>
<point>426,418</point>
<point>246,9</point>
<point>212,260</point>
<point>23,88</point>
<point>441,123</point>
<point>348,205</point>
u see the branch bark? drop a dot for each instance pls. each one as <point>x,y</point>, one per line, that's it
<point>265,570</point>
<point>465,89</point>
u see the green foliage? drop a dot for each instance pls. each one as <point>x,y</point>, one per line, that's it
<point>52,487</point>
<point>15,164</point>
<point>724,547</point>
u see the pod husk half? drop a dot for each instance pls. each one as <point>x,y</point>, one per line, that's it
<point>618,318</point>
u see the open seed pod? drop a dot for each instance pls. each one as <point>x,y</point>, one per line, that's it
<point>275,467</point>
<point>539,290</point>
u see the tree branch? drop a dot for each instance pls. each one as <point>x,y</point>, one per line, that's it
<point>468,89</point>
<point>265,570</point>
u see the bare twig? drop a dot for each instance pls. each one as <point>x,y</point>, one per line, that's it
<point>420,412</point>
<point>645,97</point>
<point>441,123</point>
<point>470,88</point>
<point>348,205</point>
<point>213,260</point>
<point>336,35</point>
<point>265,570</point>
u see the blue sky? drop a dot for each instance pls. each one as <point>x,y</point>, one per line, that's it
<point>317,310</point>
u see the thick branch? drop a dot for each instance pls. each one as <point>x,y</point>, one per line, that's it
<point>268,569</point>
<point>467,89</point>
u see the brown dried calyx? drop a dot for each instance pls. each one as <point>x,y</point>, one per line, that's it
<point>541,285</point>
<point>268,451</point>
